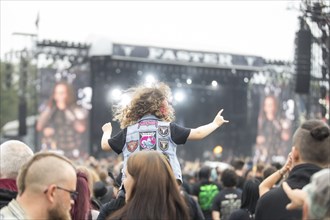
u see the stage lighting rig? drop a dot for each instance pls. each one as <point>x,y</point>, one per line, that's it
<point>75,53</point>
<point>317,15</point>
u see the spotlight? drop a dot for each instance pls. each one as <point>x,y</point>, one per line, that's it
<point>214,83</point>
<point>150,78</point>
<point>125,100</point>
<point>179,96</point>
<point>189,81</point>
<point>116,94</point>
<point>217,150</point>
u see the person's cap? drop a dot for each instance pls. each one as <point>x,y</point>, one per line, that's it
<point>318,194</point>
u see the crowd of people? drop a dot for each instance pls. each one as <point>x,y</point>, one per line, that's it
<point>149,182</point>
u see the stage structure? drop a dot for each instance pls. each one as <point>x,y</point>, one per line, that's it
<point>202,83</point>
<point>208,81</point>
<point>315,29</point>
<point>64,98</point>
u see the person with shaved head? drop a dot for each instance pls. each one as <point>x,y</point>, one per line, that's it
<point>46,189</point>
<point>13,154</point>
<point>310,154</point>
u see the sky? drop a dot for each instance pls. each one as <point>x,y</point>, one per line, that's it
<point>261,28</point>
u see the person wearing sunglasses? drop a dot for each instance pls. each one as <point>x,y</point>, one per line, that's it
<point>46,189</point>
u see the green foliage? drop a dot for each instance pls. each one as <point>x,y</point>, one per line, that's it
<point>8,99</point>
<point>9,96</point>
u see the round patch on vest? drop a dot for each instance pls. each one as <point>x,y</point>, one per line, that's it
<point>132,145</point>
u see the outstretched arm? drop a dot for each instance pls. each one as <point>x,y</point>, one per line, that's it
<point>203,131</point>
<point>270,181</point>
<point>107,130</point>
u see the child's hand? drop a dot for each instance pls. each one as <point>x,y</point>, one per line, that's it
<point>107,127</point>
<point>219,120</point>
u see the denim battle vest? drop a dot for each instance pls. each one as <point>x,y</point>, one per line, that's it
<point>152,134</point>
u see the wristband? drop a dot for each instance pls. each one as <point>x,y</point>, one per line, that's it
<point>281,172</point>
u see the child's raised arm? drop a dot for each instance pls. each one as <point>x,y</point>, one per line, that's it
<point>107,130</point>
<point>203,131</point>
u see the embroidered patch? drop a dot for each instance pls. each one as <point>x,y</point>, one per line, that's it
<point>163,144</point>
<point>163,130</point>
<point>132,145</point>
<point>148,140</point>
<point>148,123</point>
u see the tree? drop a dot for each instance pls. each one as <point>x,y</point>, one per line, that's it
<point>9,91</point>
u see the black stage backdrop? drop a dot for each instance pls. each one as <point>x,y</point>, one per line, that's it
<point>201,105</point>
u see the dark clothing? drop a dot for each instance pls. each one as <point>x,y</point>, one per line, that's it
<point>240,182</point>
<point>241,214</point>
<point>178,134</point>
<point>150,133</point>
<point>186,187</point>
<point>195,211</point>
<point>8,191</point>
<point>110,207</point>
<point>272,130</point>
<point>66,137</point>
<point>6,196</point>
<point>260,178</point>
<point>202,202</point>
<point>96,204</point>
<point>272,205</point>
<point>227,201</point>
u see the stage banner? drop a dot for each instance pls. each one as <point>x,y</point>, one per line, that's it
<point>176,56</point>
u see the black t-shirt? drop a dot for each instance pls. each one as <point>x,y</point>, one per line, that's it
<point>241,214</point>
<point>272,205</point>
<point>227,201</point>
<point>195,211</point>
<point>179,136</point>
<point>197,186</point>
<point>196,190</point>
<point>6,196</point>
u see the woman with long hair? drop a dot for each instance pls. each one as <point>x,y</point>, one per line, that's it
<point>151,189</point>
<point>62,121</point>
<point>274,131</point>
<point>83,207</point>
<point>250,196</point>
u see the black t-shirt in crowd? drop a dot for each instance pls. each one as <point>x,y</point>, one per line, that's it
<point>227,201</point>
